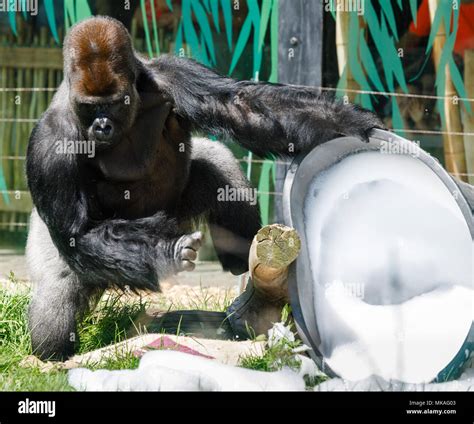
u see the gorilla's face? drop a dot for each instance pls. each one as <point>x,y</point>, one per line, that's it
<point>101,70</point>
<point>104,120</point>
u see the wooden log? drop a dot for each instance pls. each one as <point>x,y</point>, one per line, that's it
<point>31,57</point>
<point>342,49</point>
<point>255,311</point>
<point>3,128</point>
<point>454,155</point>
<point>22,204</point>
<point>273,249</point>
<point>469,118</point>
<point>7,143</point>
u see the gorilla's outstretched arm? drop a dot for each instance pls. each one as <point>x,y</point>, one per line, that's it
<point>264,118</point>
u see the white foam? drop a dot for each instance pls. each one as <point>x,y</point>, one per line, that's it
<point>166,370</point>
<point>392,264</point>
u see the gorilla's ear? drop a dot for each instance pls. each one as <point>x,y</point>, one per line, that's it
<point>264,118</point>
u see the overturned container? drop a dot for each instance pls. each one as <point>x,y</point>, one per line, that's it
<point>384,281</point>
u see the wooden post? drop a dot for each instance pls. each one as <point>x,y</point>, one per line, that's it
<point>454,154</point>
<point>300,53</point>
<point>469,118</point>
<point>342,48</point>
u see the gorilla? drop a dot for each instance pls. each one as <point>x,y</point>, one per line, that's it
<point>124,216</point>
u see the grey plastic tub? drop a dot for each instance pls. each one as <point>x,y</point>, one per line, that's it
<point>300,176</point>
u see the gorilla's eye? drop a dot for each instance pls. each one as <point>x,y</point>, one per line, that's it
<point>86,112</point>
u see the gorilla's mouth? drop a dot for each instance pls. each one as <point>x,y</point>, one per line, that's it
<point>104,145</point>
<point>109,137</point>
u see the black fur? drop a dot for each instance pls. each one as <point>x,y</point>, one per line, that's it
<point>103,240</point>
<point>264,118</point>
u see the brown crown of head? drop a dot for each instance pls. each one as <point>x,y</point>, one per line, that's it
<point>98,57</point>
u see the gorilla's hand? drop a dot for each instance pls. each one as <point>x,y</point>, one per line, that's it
<point>360,123</point>
<point>185,251</point>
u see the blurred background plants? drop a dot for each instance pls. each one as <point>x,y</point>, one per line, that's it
<point>364,60</point>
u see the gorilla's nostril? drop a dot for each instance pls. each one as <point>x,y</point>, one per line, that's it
<point>103,128</point>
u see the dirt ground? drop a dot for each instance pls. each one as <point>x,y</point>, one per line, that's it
<point>207,287</point>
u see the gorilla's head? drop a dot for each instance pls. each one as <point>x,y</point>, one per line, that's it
<point>101,70</point>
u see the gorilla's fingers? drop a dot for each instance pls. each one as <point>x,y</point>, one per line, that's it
<point>188,254</point>
<point>195,240</point>
<point>186,251</point>
<point>187,266</point>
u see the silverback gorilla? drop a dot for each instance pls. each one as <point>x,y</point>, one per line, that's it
<point>124,217</point>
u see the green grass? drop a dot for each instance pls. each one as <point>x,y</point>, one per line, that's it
<point>279,354</point>
<point>33,380</point>
<point>15,346</point>
<point>107,324</point>
<point>274,357</point>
